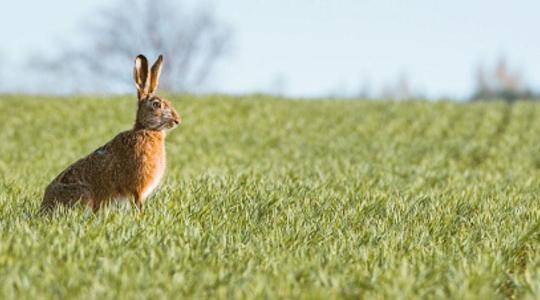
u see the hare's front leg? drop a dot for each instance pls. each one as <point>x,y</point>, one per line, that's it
<point>138,201</point>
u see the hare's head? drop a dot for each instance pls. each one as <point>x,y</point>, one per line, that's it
<point>153,112</point>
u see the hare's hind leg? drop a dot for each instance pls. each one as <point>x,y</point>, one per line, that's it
<point>67,195</point>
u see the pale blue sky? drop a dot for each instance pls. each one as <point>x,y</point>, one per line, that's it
<point>312,47</point>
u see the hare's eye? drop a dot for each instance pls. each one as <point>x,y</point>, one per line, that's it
<point>156,104</point>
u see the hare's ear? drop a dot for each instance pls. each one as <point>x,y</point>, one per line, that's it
<point>140,75</point>
<point>154,74</point>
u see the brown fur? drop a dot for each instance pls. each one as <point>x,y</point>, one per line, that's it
<point>128,165</point>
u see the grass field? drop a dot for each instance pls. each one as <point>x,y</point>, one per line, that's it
<point>276,198</point>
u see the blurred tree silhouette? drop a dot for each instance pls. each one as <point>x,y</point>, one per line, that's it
<point>2,78</point>
<point>500,83</point>
<point>398,90</point>
<point>191,41</point>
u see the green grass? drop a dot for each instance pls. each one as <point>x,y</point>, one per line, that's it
<point>270,198</point>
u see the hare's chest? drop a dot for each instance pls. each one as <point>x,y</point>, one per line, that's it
<point>154,174</point>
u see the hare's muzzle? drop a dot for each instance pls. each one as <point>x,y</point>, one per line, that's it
<point>174,121</point>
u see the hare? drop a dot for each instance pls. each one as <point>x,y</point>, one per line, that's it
<point>132,164</point>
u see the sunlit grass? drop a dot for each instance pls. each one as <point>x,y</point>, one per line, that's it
<point>276,198</point>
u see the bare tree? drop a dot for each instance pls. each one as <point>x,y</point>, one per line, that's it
<point>500,83</point>
<point>191,41</point>
<point>399,90</point>
<point>2,76</point>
